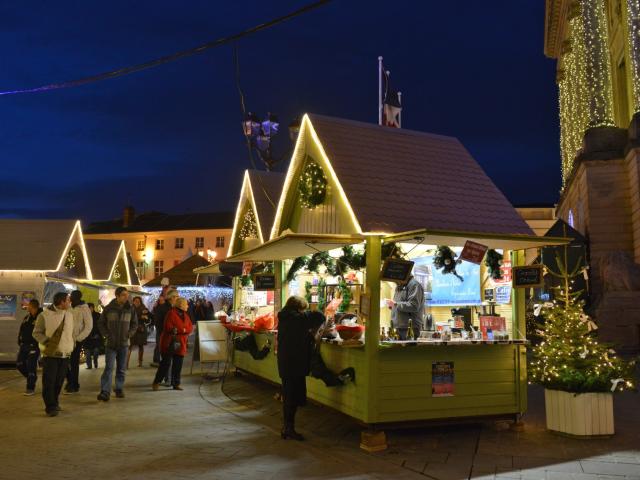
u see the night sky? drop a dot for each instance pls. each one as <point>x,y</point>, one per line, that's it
<point>169,138</point>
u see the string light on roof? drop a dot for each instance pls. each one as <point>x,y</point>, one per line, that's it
<point>633,31</point>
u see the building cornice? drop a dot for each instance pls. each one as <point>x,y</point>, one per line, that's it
<point>555,23</point>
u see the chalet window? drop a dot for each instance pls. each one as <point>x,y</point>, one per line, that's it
<point>159,244</point>
<point>158,267</point>
<point>199,242</point>
<point>219,242</point>
<point>179,242</point>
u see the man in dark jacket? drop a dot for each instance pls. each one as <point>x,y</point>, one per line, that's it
<point>117,325</point>
<point>27,361</point>
<point>159,314</point>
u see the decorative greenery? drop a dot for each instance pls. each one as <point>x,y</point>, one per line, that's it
<point>245,280</point>
<point>345,295</point>
<point>71,260</point>
<point>493,260</point>
<point>297,265</point>
<point>569,358</point>
<point>312,185</point>
<point>445,259</point>
<point>307,291</point>
<point>249,225</point>
<point>322,295</point>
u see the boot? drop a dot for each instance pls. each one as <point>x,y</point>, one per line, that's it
<point>288,431</point>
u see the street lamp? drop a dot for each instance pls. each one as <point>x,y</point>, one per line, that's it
<point>259,133</point>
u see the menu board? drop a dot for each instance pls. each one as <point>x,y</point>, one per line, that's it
<point>473,252</point>
<point>527,277</point>
<point>264,281</point>
<point>395,270</point>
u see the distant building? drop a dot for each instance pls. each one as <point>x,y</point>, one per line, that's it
<point>540,218</point>
<point>159,241</point>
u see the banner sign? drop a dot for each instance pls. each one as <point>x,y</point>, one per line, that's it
<point>8,306</point>
<point>473,252</point>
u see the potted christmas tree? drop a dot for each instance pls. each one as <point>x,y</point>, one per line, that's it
<point>579,374</point>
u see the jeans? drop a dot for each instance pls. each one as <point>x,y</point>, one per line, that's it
<point>92,354</point>
<point>27,364</point>
<point>119,357</point>
<point>73,374</point>
<point>173,361</point>
<point>54,369</point>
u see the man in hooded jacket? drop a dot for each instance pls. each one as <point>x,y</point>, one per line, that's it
<point>82,326</point>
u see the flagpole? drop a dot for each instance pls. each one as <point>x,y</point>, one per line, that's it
<point>400,113</point>
<point>379,90</point>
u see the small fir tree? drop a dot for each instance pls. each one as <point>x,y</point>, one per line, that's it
<point>569,358</point>
<point>249,225</point>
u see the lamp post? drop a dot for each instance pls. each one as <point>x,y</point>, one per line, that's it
<point>259,134</point>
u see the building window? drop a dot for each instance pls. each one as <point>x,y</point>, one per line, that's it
<point>158,267</point>
<point>140,269</point>
<point>179,242</point>
<point>219,242</point>
<point>140,245</point>
<point>199,242</point>
<point>159,244</point>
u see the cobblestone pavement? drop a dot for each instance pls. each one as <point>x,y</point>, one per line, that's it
<point>210,431</point>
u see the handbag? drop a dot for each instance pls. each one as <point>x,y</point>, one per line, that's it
<point>174,345</point>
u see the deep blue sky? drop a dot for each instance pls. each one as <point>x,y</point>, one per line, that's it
<point>169,138</point>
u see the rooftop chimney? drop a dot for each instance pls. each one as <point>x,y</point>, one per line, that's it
<point>128,216</point>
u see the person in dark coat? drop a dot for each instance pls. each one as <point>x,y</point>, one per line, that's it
<point>94,341</point>
<point>294,355</point>
<point>27,361</point>
<point>159,316</point>
<point>139,338</point>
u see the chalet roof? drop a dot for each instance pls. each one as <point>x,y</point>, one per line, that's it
<point>266,188</point>
<point>102,256</point>
<point>158,222</point>
<point>399,180</point>
<point>182,274</point>
<point>135,280</point>
<point>33,244</point>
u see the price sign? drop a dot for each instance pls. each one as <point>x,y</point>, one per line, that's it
<point>527,277</point>
<point>473,252</point>
<point>264,281</point>
<point>395,270</point>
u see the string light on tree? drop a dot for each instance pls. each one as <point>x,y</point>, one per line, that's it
<point>249,225</point>
<point>71,260</point>
<point>633,32</point>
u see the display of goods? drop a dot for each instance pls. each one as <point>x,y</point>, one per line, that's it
<point>265,322</point>
<point>350,332</point>
<point>236,327</point>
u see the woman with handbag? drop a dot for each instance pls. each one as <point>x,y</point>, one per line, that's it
<point>173,343</point>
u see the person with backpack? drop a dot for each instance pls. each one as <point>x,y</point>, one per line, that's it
<point>27,361</point>
<point>54,332</point>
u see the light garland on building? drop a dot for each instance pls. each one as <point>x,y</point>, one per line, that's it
<point>633,32</point>
<point>313,185</point>
<point>249,226</point>
<point>584,78</point>
<point>71,259</point>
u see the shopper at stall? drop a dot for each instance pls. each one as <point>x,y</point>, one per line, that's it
<point>407,308</point>
<point>139,338</point>
<point>173,343</point>
<point>93,342</point>
<point>82,326</point>
<point>28,354</point>
<point>294,354</point>
<point>117,324</point>
<point>54,332</point>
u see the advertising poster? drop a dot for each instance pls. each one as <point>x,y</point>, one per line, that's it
<point>442,379</point>
<point>8,306</point>
<point>445,289</point>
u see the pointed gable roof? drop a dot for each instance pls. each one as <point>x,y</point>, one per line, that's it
<point>266,188</point>
<point>400,180</point>
<point>182,274</point>
<point>103,255</point>
<point>39,245</point>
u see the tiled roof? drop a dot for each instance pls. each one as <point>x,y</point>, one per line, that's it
<point>102,255</point>
<point>158,222</point>
<point>266,187</point>
<point>400,180</point>
<point>182,274</point>
<point>33,244</point>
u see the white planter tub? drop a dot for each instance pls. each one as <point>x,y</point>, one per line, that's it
<point>582,414</point>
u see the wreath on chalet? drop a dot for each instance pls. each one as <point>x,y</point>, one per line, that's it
<point>312,186</point>
<point>445,259</point>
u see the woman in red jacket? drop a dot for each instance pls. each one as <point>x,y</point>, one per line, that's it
<point>173,343</point>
